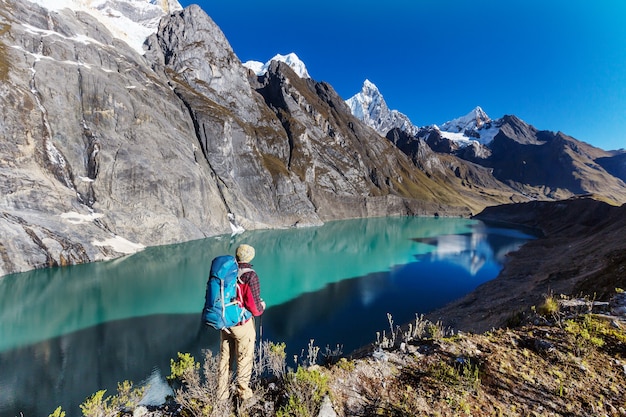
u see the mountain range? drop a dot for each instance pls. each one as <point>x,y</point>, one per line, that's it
<point>539,164</point>
<point>131,123</point>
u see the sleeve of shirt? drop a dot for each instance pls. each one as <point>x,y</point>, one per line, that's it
<point>252,293</point>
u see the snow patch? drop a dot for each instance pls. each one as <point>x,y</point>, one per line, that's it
<point>486,136</point>
<point>475,126</point>
<point>121,245</point>
<point>236,230</point>
<point>77,218</point>
<point>235,227</point>
<point>133,22</point>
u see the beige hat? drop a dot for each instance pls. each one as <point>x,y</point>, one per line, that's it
<point>245,253</point>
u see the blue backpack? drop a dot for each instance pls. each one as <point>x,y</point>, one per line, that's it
<point>223,306</point>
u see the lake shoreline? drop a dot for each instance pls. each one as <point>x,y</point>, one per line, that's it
<point>581,253</point>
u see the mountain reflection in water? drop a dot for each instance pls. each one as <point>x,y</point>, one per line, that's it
<point>68,332</point>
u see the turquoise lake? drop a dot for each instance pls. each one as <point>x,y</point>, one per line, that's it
<point>68,332</point>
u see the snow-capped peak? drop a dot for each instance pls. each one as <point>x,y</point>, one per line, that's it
<point>474,126</point>
<point>370,89</point>
<point>291,59</point>
<point>370,107</point>
<point>129,20</point>
<point>367,103</point>
<point>475,119</point>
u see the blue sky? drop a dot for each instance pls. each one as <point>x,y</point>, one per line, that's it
<point>558,65</point>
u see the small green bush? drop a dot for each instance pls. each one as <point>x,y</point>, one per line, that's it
<point>346,365</point>
<point>305,389</point>
<point>128,396</point>
<point>273,358</point>
<point>178,368</point>
<point>126,399</point>
<point>195,390</point>
<point>444,372</point>
<point>463,374</point>
<point>96,405</point>
<point>588,332</point>
<point>549,308</point>
<point>436,331</point>
<point>57,413</point>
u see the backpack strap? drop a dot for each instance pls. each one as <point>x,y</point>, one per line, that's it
<point>239,283</point>
<point>243,271</point>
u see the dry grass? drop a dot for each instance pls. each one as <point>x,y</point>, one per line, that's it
<point>572,366</point>
<point>569,367</point>
<point>530,371</point>
<point>4,57</point>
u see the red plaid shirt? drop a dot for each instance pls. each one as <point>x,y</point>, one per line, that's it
<point>251,290</point>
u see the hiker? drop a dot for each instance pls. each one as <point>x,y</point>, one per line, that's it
<point>237,342</point>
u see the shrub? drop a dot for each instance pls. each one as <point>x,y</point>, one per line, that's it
<point>346,365</point>
<point>57,413</point>
<point>128,396</point>
<point>586,332</point>
<point>418,329</point>
<point>305,390</point>
<point>196,393</point>
<point>515,320</point>
<point>272,357</point>
<point>437,331</point>
<point>97,405</point>
<point>331,356</point>
<point>549,308</point>
<point>185,365</point>
<point>464,373</point>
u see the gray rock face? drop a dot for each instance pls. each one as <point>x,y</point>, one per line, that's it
<point>97,151</point>
<point>104,151</point>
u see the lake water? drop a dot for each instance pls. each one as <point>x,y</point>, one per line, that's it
<point>67,332</point>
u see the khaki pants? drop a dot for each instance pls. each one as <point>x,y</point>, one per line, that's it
<point>237,344</point>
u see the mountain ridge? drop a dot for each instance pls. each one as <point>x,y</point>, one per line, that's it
<point>536,163</point>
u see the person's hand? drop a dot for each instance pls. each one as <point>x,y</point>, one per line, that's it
<point>263,304</point>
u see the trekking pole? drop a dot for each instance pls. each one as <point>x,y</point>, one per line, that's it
<point>261,335</point>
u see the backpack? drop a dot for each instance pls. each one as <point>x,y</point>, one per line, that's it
<point>223,306</point>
